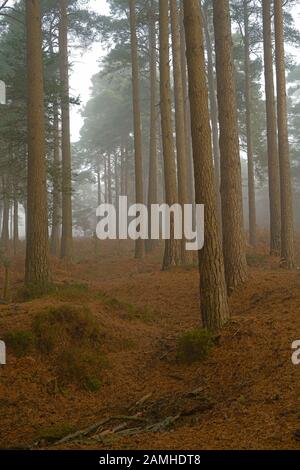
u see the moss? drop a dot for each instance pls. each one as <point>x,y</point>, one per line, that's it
<point>70,292</point>
<point>55,433</point>
<point>20,341</point>
<point>194,345</point>
<point>129,311</point>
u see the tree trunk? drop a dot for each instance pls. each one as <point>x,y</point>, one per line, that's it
<point>182,157</point>
<point>55,229</point>
<point>139,192</point>
<point>273,159</point>
<point>231,180</point>
<point>5,216</point>
<point>152,187</point>
<point>172,248</point>
<point>251,178</point>
<point>213,296</point>
<point>213,112</point>
<point>287,220</point>
<point>66,237</point>
<point>16,225</point>
<point>37,256</point>
<point>187,114</point>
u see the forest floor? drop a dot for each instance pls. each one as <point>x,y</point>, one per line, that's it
<point>244,395</point>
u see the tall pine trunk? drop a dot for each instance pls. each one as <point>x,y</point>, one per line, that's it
<point>171,254</point>
<point>55,228</point>
<point>213,110</point>
<point>152,187</point>
<point>66,236</point>
<point>139,191</point>
<point>231,180</point>
<point>273,159</point>
<point>182,157</point>
<point>37,257</point>
<point>287,220</point>
<point>248,104</point>
<point>213,295</point>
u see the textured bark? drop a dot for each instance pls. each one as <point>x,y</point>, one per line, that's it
<point>248,103</point>
<point>5,216</point>
<point>152,187</point>
<point>213,295</point>
<point>213,110</point>
<point>56,190</point>
<point>66,236</point>
<point>187,114</point>
<point>37,259</point>
<point>273,159</point>
<point>287,221</point>
<point>231,181</point>
<point>139,191</point>
<point>182,157</point>
<point>172,247</point>
<point>16,225</point>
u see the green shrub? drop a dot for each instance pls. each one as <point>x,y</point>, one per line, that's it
<point>71,339</point>
<point>194,345</point>
<point>79,366</point>
<point>63,326</point>
<point>20,341</point>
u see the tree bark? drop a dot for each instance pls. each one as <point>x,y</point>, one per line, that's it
<point>273,159</point>
<point>56,200</point>
<point>213,111</point>
<point>231,180</point>
<point>152,187</point>
<point>139,191</point>
<point>213,295</point>
<point>248,103</point>
<point>287,220</point>
<point>66,236</point>
<point>171,254</point>
<point>37,256</point>
<point>182,157</point>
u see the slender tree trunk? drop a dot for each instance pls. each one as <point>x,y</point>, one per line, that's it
<point>152,187</point>
<point>251,178</point>
<point>213,112</point>
<point>287,218</point>
<point>172,247</point>
<point>55,229</point>
<point>187,114</point>
<point>5,216</point>
<point>182,157</point>
<point>37,256</point>
<point>231,180</point>
<point>139,191</point>
<point>16,225</point>
<point>66,237</point>
<point>109,179</point>
<point>273,159</point>
<point>213,295</point>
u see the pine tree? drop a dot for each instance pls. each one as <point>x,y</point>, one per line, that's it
<point>139,245</point>
<point>287,222</point>
<point>213,296</point>
<point>66,238</point>
<point>37,263</point>
<point>231,184</point>
<point>273,160</point>
<point>171,255</point>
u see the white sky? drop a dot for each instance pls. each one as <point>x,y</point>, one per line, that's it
<point>85,65</point>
